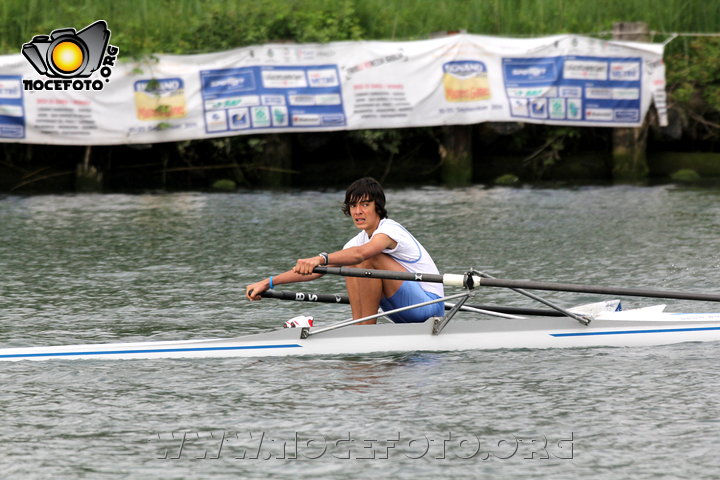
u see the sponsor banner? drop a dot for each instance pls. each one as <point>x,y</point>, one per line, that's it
<point>460,79</point>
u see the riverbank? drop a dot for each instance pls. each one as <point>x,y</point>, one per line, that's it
<point>414,156</point>
<point>312,160</point>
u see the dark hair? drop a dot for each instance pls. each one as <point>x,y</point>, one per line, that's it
<point>366,188</point>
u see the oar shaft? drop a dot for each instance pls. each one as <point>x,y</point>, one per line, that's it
<point>386,274</point>
<point>473,281</point>
<point>569,287</point>
<point>343,299</point>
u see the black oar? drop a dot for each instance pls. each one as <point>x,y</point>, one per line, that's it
<point>330,298</point>
<point>472,281</point>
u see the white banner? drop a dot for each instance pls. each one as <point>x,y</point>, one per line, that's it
<point>460,79</point>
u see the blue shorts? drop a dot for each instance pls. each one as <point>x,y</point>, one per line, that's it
<point>410,293</point>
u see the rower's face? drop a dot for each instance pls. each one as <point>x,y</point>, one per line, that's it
<point>364,214</point>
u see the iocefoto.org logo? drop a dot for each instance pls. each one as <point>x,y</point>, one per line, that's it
<point>68,57</point>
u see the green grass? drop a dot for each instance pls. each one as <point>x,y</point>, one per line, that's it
<point>192,26</point>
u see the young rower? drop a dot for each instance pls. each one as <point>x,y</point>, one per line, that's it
<point>381,244</point>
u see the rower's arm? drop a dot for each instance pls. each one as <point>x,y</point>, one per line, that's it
<point>292,277</point>
<point>348,256</point>
<point>355,255</point>
<point>254,290</point>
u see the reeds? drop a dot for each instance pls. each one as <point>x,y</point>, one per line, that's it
<point>192,26</point>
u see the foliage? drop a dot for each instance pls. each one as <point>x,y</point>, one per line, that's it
<point>145,28</point>
<point>506,179</point>
<point>693,77</point>
<point>380,141</point>
<point>550,152</point>
<point>192,26</point>
<point>224,185</point>
<point>685,175</point>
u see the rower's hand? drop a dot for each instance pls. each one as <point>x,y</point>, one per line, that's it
<point>252,292</point>
<point>305,266</point>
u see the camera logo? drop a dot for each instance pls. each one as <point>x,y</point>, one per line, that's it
<point>68,56</point>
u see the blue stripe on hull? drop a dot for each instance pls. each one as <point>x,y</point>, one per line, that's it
<point>627,332</point>
<point>153,350</point>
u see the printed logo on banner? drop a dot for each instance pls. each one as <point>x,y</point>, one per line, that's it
<point>280,116</point>
<point>557,108</point>
<point>585,70</point>
<point>274,97</point>
<point>625,71</point>
<point>328,99</point>
<point>527,71</point>
<point>301,100</point>
<point>631,116</point>
<point>598,93</point>
<point>12,113</point>
<point>323,77</point>
<point>283,78</point>
<point>538,108</point>
<point>239,118</point>
<point>273,100</point>
<point>465,81</point>
<point>626,93</point>
<point>570,91</point>
<point>260,117</point>
<point>231,102</point>
<point>519,107</point>
<point>221,83</point>
<point>216,121</point>
<point>575,88</point>
<point>67,56</point>
<point>305,120</point>
<point>574,109</point>
<point>160,99</point>
<point>333,119</point>
<point>599,114</point>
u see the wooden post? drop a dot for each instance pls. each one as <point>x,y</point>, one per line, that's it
<point>629,144</point>
<point>456,154</point>
<point>87,178</point>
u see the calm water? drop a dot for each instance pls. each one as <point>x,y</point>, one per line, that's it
<point>112,268</point>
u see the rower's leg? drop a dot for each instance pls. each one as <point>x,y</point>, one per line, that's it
<point>364,296</point>
<point>365,293</point>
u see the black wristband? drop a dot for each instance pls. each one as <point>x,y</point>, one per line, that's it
<point>325,256</point>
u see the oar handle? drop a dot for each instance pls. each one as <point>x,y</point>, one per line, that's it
<point>305,297</point>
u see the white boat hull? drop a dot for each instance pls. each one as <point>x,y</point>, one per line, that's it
<point>643,327</point>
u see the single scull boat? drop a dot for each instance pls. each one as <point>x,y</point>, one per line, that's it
<point>644,326</point>
<point>599,324</point>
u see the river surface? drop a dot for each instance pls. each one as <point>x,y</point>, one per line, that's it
<point>117,268</point>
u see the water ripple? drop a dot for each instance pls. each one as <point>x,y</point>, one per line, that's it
<point>88,268</point>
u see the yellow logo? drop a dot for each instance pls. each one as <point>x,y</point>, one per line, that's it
<point>465,81</point>
<point>160,99</point>
<point>68,55</point>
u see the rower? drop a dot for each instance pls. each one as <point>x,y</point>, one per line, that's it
<point>382,244</point>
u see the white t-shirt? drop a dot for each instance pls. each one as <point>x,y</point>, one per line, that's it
<point>408,252</point>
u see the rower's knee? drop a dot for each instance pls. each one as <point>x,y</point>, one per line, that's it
<point>381,261</point>
<point>367,263</point>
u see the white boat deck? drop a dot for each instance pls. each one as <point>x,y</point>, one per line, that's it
<point>640,327</point>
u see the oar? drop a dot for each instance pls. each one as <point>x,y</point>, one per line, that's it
<point>314,297</point>
<point>330,298</point>
<point>471,281</point>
